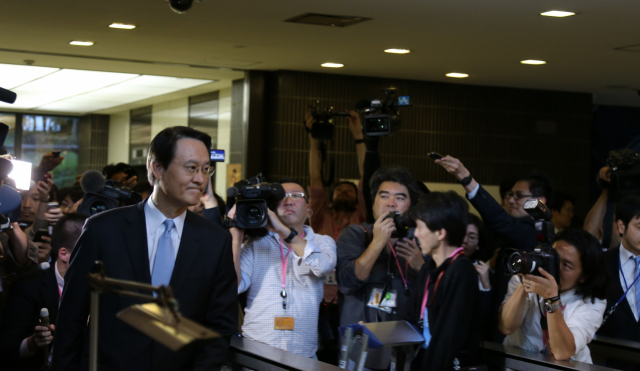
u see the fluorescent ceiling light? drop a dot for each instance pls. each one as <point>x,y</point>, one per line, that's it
<point>457,75</point>
<point>123,26</point>
<point>533,61</point>
<point>81,43</point>
<point>14,75</point>
<point>557,13</point>
<point>332,65</point>
<point>397,51</point>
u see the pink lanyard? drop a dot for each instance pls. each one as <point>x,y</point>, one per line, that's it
<point>283,261</point>
<point>459,251</point>
<point>404,280</point>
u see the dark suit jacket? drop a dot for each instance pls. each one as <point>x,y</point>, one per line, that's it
<point>21,315</point>
<point>204,283</point>
<point>621,324</point>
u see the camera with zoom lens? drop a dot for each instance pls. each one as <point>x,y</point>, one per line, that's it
<point>544,255</point>
<point>403,222</point>
<point>625,168</point>
<point>253,197</point>
<point>382,116</point>
<point>104,194</point>
<point>323,127</point>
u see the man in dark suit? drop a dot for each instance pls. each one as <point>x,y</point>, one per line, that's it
<point>156,242</point>
<point>623,265</point>
<point>22,340</point>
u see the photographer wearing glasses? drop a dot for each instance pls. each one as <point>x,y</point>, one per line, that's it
<point>541,314</point>
<point>283,273</point>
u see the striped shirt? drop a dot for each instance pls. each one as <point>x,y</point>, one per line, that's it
<point>261,267</point>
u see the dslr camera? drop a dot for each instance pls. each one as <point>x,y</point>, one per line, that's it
<point>382,116</point>
<point>323,127</point>
<point>253,197</point>
<point>625,168</point>
<point>403,222</point>
<point>543,256</point>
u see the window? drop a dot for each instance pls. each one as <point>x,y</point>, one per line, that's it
<point>140,135</point>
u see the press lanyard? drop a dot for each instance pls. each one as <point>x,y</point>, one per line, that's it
<point>406,266</point>
<point>627,287</point>
<point>283,261</point>
<point>335,232</point>
<point>459,251</point>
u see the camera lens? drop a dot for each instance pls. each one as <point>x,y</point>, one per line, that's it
<point>254,215</point>
<point>180,6</point>
<point>97,207</point>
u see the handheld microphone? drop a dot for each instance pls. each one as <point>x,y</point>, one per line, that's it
<point>44,322</point>
<point>92,181</point>
<point>7,96</point>
<point>30,272</point>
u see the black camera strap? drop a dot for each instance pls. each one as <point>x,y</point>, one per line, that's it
<point>323,160</point>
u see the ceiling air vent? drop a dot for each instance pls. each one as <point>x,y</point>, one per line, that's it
<point>630,48</point>
<point>327,20</point>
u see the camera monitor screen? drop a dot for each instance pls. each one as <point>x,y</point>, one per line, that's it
<point>376,125</point>
<point>217,155</point>
<point>21,173</point>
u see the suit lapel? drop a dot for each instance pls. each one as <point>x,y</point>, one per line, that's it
<point>135,236</point>
<point>187,254</point>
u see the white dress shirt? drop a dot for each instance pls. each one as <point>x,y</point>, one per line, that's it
<point>581,316</point>
<point>261,266</point>
<point>155,228</point>
<point>628,265</point>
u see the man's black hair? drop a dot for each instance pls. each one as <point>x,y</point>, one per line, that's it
<point>163,146</point>
<point>291,180</point>
<point>396,174</point>
<point>444,210</point>
<point>559,198</point>
<point>66,232</point>
<point>75,193</point>
<point>506,186</point>
<point>627,209</point>
<point>596,278</point>
<point>142,187</point>
<point>540,185</point>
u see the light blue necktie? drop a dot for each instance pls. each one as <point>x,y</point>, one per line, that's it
<point>637,285</point>
<point>165,257</point>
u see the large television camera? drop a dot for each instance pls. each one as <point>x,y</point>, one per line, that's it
<point>544,255</point>
<point>382,116</point>
<point>323,127</point>
<point>625,171</point>
<point>252,200</point>
<point>103,194</point>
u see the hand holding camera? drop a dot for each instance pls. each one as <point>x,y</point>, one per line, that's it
<point>544,285</point>
<point>44,187</point>
<point>454,167</point>
<point>44,247</point>
<point>409,251</point>
<point>382,230</point>
<point>50,161</point>
<point>355,125</point>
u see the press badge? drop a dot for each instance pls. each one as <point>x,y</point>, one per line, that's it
<point>283,323</point>
<point>385,303</point>
<point>426,334</point>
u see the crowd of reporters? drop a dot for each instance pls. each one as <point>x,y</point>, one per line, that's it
<point>385,249</point>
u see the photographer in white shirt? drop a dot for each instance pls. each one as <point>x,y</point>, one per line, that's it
<point>573,311</point>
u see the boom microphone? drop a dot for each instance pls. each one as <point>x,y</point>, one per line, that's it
<point>7,96</point>
<point>92,181</point>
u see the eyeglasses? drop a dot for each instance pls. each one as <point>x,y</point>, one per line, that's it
<point>516,196</point>
<point>294,195</point>
<point>193,170</point>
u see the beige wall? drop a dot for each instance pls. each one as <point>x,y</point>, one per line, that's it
<point>171,113</point>
<point>118,149</point>
<point>224,140</point>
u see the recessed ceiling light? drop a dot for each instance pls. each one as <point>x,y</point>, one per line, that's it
<point>123,26</point>
<point>457,75</point>
<point>332,65</point>
<point>81,43</point>
<point>533,61</point>
<point>557,13</point>
<point>397,51</point>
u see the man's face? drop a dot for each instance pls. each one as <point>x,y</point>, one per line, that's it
<point>30,205</point>
<point>391,196</point>
<point>630,235</point>
<point>570,265</point>
<point>563,218</point>
<point>293,209</point>
<point>521,194</point>
<point>345,193</point>
<point>118,177</point>
<point>470,242</point>
<point>178,181</point>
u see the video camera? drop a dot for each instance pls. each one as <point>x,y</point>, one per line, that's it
<point>323,127</point>
<point>625,168</point>
<point>102,195</point>
<point>382,116</point>
<point>544,255</point>
<point>253,197</point>
<point>403,222</point>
